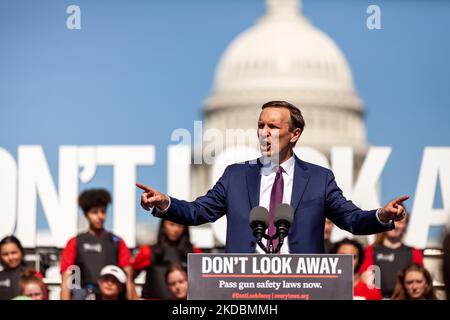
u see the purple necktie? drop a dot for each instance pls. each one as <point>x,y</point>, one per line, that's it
<point>276,197</point>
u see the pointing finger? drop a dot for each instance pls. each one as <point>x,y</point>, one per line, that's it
<point>399,200</point>
<point>144,187</point>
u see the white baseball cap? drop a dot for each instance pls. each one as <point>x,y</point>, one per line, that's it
<point>115,271</point>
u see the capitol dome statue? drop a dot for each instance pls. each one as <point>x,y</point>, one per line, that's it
<point>284,57</point>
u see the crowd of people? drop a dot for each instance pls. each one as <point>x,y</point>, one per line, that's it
<point>386,269</point>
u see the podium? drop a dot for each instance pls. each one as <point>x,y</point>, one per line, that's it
<point>270,277</point>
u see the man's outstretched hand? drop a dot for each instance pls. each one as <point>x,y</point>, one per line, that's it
<point>153,198</point>
<point>394,210</point>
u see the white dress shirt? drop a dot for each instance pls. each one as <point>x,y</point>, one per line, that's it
<point>268,173</point>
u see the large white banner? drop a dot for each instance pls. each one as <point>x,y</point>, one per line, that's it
<point>27,179</point>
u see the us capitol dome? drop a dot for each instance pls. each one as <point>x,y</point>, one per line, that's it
<point>284,57</point>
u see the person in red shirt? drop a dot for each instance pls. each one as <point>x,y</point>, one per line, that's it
<point>89,252</point>
<point>12,260</point>
<point>172,247</point>
<point>361,291</point>
<point>390,255</point>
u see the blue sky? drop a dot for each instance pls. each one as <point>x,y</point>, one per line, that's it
<point>139,69</point>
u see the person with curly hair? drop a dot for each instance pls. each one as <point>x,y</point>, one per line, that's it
<point>414,283</point>
<point>92,250</point>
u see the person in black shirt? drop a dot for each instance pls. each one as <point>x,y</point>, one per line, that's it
<point>390,255</point>
<point>173,246</point>
<point>92,250</point>
<point>12,261</point>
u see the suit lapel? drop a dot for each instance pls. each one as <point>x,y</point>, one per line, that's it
<point>253,183</point>
<point>301,178</point>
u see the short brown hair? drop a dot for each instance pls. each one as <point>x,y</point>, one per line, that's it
<point>297,120</point>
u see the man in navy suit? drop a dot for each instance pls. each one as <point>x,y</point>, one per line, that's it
<point>279,176</point>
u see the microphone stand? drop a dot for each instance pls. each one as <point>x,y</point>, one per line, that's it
<point>280,243</point>
<point>270,249</point>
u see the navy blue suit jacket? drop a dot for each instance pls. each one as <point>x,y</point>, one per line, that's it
<point>315,195</point>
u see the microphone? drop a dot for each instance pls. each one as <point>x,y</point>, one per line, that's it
<point>259,221</point>
<point>284,215</point>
